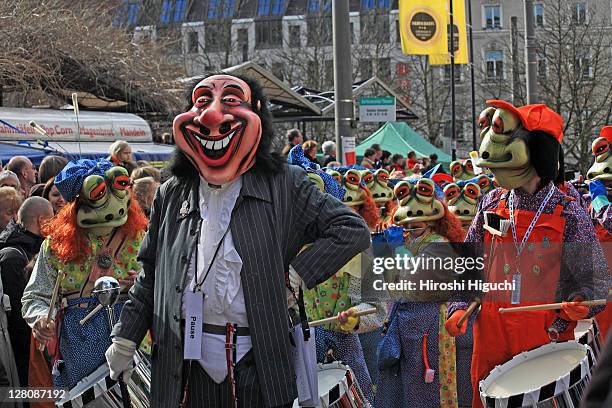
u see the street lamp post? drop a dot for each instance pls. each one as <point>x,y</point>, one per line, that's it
<point>343,73</point>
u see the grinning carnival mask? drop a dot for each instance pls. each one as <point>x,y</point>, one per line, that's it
<point>462,170</point>
<point>602,150</point>
<point>462,199</point>
<point>520,143</point>
<point>221,132</point>
<point>417,202</point>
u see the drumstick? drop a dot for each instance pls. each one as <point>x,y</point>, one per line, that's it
<point>470,310</point>
<point>550,306</point>
<point>90,314</point>
<point>58,280</point>
<point>335,318</point>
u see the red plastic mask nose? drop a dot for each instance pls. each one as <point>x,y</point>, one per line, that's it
<point>211,118</point>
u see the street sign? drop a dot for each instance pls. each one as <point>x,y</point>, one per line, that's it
<point>377,109</point>
<point>348,151</point>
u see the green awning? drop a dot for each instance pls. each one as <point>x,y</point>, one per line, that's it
<point>399,138</point>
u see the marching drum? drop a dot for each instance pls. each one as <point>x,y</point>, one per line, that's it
<point>554,375</point>
<point>338,387</point>
<point>98,390</point>
<point>587,332</point>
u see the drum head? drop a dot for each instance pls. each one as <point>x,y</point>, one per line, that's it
<point>556,365</point>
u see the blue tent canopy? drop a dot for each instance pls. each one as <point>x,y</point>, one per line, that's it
<point>156,154</point>
<point>9,150</point>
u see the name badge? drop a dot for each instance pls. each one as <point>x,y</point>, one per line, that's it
<point>193,325</point>
<point>516,289</point>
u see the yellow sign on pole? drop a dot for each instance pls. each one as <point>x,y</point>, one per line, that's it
<point>423,27</point>
<point>460,36</point>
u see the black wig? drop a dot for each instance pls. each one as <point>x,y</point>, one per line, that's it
<point>546,156</point>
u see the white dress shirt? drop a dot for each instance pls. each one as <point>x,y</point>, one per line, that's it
<point>222,289</point>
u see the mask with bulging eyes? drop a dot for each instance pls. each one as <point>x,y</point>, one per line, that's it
<point>417,202</point>
<point>462,170</point>
<point>462,200</point>
<point>504,149</point>
<point>602,151</point>
<point>104,200</point>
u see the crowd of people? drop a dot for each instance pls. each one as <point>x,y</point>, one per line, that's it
<point>231,240</point>
<point>374,157</point>
<point>29,200</point>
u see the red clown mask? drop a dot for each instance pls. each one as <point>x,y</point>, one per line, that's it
<point>221,132</point>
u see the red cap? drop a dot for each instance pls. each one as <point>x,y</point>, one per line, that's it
<point>606,132</point>
<point>535,117</point>
<point>439,177</point>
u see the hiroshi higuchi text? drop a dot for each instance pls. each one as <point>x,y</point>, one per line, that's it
<point>432,285</point>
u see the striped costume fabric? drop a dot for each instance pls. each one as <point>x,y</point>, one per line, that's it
<point>274,217</point>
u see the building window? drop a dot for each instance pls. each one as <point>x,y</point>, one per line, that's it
<point>192,42</point>
<point>492,16</point>
<point>495,64</point>
<point>270,7</point>
<point>352,28</point>
<point>329,73</point>
<point>538,11</point>
<point>316,6</point>
<point>373,4</point>
<point>447,73</point>
<point>180,7</point>
<point>173,10</point>
<point>374,28</point>
<point>221,8</point>
<point>384,68</point>
<point>268,33</point>
<point>365,68</point>
<point>277,70</point>
<point>542,68</point>
<point>582,66</point>
<point>218,36</point>
<point>319,30</point>
<point>579,13</point>
<point>294,36</point>
<point>126,14</point>
<point>243,36</point>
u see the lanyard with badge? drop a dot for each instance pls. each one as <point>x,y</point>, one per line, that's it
<point>194,302</point>
<point>516,278</point>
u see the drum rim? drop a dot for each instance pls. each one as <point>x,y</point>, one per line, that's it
<point>587,360</point>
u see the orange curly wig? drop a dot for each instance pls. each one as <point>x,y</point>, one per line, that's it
<point>368,210</point>
<point>449,226</point>
<point>69,241</point>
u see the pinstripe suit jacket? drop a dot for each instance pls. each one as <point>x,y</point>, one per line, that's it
<point>274,217</point>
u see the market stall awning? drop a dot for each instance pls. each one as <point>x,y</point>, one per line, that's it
<point>9,150</point>
<point>398,137</point>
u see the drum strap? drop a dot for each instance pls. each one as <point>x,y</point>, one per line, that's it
<point>185,400</point>
<point>231,337</point>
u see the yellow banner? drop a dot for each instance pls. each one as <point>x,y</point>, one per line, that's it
<point>423,27</point>
<point>460,37</point>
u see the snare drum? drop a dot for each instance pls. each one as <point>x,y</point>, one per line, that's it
<point>587,332</point>
<point>98,390</point>
<point>338,387</point>
<point>554,375</point>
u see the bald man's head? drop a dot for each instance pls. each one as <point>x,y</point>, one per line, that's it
<point>34,212</point>
<point>24,169</point>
